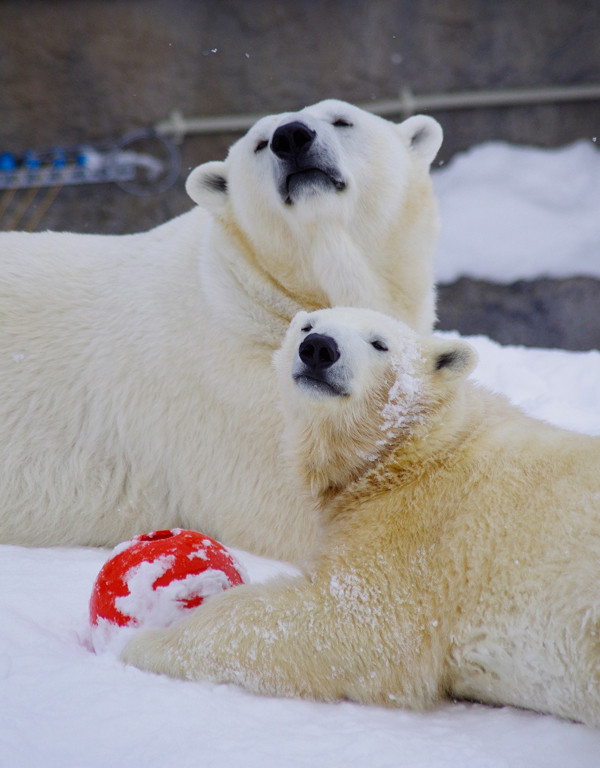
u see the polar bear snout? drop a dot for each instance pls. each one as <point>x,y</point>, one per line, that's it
<point>314,369</point>
<point>292,140</point>
<point>318,352</point>
<point>305,165</point>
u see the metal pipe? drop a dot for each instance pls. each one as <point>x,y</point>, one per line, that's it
<point>177,126</point>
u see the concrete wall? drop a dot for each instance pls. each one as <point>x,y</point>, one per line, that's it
<point>74,71</point>
<point>89,70</point>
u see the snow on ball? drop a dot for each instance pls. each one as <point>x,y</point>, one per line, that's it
<point>153,580</point>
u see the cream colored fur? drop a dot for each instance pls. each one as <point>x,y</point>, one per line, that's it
<point>136,389</point>
<point>461,555</point>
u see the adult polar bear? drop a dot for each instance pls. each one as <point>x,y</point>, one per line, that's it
<point>136,389</point>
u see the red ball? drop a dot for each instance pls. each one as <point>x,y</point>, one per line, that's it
<point>155,578</point>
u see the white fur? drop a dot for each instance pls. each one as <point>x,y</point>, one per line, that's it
<point>460,553</point>
<point>136,389</point>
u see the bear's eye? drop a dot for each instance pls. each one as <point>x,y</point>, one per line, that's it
<point>306,328</point>
<point>379,345</point>
<point>341,123</point>
<point>261,145</point>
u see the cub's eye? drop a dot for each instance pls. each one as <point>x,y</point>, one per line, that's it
<point>379,345</point>
<point>341,123</point>
<point>261,145</point>
<point>306,328</point>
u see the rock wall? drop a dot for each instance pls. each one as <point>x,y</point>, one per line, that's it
<point>537,313</point>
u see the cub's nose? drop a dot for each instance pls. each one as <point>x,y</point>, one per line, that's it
<point>318,351</point>
<point>292,140</point>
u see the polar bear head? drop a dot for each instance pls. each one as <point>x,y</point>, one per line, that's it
<point>335,203</point>
<point>354,382</point>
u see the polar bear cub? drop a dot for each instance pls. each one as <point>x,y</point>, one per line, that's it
<point>461,548</point>
<point>136,389</point>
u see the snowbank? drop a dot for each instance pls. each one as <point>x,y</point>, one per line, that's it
<point>516,213</point>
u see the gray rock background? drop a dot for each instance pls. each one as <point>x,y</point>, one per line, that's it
<point>537,313</point>
<point>74,71</point>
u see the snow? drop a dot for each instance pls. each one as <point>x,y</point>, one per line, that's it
<point>507,213</point>
<point>517,213</point>
<point>404,393</point>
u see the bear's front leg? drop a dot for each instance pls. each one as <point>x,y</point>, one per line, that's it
<point>262,637</point>
<point>301,637</point>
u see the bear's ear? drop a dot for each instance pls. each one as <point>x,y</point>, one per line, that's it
<point>207,186</point>
<point>452,359</point>
<point>424,136</point>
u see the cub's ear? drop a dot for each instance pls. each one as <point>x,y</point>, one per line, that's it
<point>451,359</point>
<point>207,186</point>
<point>424,136</point>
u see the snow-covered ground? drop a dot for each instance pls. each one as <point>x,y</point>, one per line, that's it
<point>508,213</point>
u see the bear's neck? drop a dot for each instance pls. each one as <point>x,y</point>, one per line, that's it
<point>339,461</point>
<point>330,458</point>
<point>313,267</point>
<point>264,306</point>
<point>342,270</point>
<point>332,448</point>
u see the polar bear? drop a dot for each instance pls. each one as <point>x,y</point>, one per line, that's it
<point>135,378</point>
<point>461,547</point>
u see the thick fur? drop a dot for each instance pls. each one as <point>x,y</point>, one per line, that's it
<point>461,554</point>
<point>136,389</point>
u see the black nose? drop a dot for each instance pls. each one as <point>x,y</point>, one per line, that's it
<point>292,139</point>
<point>318,351</point>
